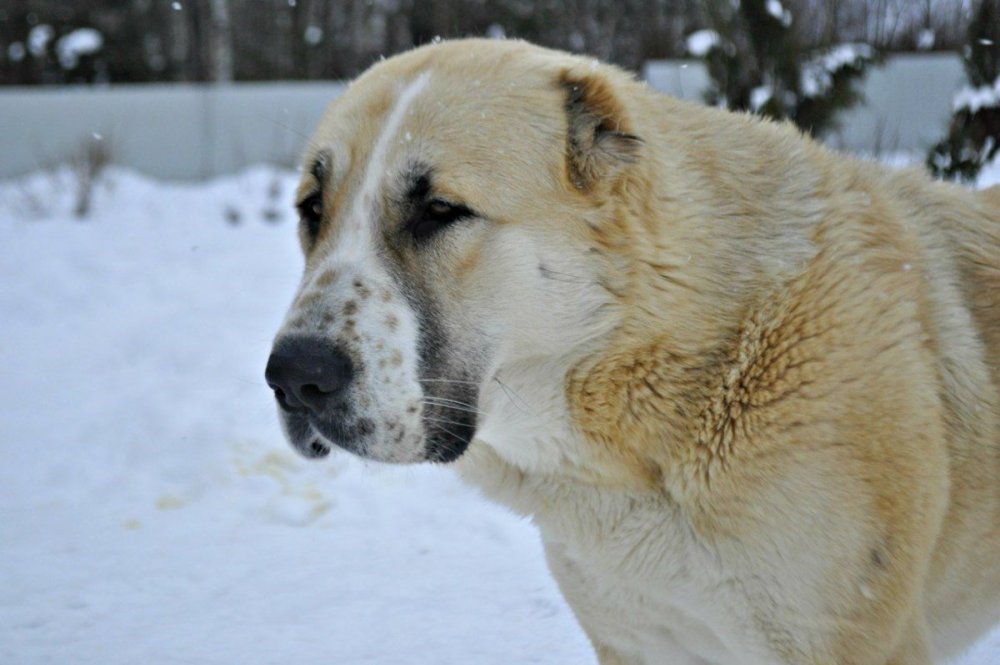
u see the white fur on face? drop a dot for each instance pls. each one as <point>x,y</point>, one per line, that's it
<point>542,306</point>
<point>356,238</point>
<point>524,416</point>
<point>349,298</point>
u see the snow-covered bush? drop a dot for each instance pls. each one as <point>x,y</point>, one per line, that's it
<point>59,52</point>
<point>80,42</point>
<point>973,138</point>
<point>756,63</point>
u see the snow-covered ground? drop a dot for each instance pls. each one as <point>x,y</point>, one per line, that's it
<point>150,511</point>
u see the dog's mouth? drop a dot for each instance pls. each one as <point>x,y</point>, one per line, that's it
<point>447,432</point>
<point>315,449</point>
<point>314,438</point>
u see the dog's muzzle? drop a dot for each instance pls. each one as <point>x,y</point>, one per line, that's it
<point>311,378</point>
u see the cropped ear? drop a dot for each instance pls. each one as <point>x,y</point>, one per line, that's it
<point>599,144</point>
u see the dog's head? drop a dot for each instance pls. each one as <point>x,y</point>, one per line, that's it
<point>448,204</point>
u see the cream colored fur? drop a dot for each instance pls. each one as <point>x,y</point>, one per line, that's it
<point>747,388</point>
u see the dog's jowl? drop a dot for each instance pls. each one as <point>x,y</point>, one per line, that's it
<point>748,389</point>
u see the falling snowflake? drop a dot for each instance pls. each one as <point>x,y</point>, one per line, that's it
<point>313,35</point>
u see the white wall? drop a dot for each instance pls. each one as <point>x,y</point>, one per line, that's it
<point>907,101</point>
<point>194,131</point>
<point>168,131</point>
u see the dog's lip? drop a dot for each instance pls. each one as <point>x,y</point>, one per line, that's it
<point>446,446</point>
<point>314,437</point>
<point>316,449</point>
<point>308,437</point>
<point>313,445</point>
<point>347,435</point>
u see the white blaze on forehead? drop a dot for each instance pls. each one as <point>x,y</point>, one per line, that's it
<point>350,299</point>
<point>357,227</point>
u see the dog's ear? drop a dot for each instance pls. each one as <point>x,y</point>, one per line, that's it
<point>600,144</point>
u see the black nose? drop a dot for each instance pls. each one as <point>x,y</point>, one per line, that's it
<point>307,373</point>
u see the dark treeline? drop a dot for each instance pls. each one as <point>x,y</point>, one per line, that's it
<point>221,40</point>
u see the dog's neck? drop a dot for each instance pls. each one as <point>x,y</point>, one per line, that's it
<point>524,417</point>
<point>590,417</point>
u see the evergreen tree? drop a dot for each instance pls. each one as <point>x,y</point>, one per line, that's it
<point>756,63</point>
<point>974,133</point>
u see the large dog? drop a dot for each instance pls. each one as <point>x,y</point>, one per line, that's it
<point>748,389</point>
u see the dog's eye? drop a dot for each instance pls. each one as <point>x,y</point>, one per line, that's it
<point>435,215</point>
<point>311,214</point>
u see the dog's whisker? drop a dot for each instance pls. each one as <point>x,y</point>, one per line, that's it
<point>443,400</point>
<point>446,399</point>
<point>454,446</point>
<point>511,395</point>
<point>548,273</point>
<point>444,421</point>
<point>283,125</point>
<point>456,381</point>
<point>456,408</point>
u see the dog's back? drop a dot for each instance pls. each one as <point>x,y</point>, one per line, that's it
<point>972,580</point>
<point>980,262</point>
<point>962,246</point>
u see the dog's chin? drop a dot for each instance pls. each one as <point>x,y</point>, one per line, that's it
<point>314,449</point>
<point>315,439</point>
<point>445,447</point>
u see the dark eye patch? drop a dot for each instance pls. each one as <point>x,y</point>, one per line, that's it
<point>426,214</point>
<point>434,215</point>
<point>311,214</point>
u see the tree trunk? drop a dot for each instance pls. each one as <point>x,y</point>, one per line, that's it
<point>221,40</point>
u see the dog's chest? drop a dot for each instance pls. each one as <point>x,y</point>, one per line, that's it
<point>642,586</point>
<point>629,565</point>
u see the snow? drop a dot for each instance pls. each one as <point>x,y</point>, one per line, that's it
<point>151,511</point>
<point>39,38</point>
<point>817,74</point>
<point>313,35</point>
<point>974,99</point>
<point>82,41</point>
<point>926,39</point>
<point>496,31</point>
<point>699,43</point>
<point>16,51</point>
<point>989,176</point>
<point>777,10</point>
<point>760,96</point>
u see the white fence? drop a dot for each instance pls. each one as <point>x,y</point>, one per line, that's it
<point>168,131</point>
<point>195,131</point>
<point>907,101</point>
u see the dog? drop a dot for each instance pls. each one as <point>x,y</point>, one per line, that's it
<point>747,388</point>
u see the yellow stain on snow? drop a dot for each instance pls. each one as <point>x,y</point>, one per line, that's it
<point>283,468</point>
<point>169,502</point>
